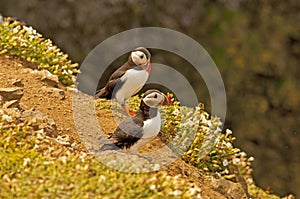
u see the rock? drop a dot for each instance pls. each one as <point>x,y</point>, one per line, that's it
<point>39,120</point>
<point>58,93</point>
<point>65,140</point>
<point>12,104</point>
<point>26,70</point>
<point>47,77</point>
<point>18,83</point>
<point>229,189</point>
<point>13,93</point>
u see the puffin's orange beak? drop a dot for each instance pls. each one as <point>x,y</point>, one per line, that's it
<point>166,101</point>
<point>148,66</point>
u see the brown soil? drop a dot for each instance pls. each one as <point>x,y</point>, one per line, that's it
<point>60,110</point>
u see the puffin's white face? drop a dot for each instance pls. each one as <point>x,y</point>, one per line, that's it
<point>154,99</point>
<point>138,57</point>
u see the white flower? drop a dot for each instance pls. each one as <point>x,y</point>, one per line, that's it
<point>243,154</point>
<point>152,187</point>
<point>63,159</point>
<point>227,144</point>
<point>225,163</point>
<point>194,190</point>
<point>251,159</point>
<point>82,156</point>
<point>102,178</point>
<point>8,118</point>
<point>15,29</point>
<point>228,131</point>
<point>40,136</point>
<point>26,161</point>
<point>176,193</point>
<point>209,123</point>
<point>236,160</point>
<point>156,166</point>
<point>176,112</point>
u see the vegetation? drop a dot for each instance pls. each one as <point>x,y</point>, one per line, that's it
<point>34,165</point>
<point>29,167</point>
<point>23,41</point>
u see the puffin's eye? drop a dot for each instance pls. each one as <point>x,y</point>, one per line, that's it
<point>141,56</point>
<point>155,96</point>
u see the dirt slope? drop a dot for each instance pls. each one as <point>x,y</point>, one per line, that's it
<point>56,102</point>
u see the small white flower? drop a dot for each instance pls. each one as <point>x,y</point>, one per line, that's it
<point>156,166</point>
<point>176,193</point>
<point>153,187</point>
<point>82,156</point>
<point>228,131</point>
<point>251,159</point>
<point>227,144</point>
<point>15,29</point>
<point>63,159</point>
<point>102,177</point>
<point>243,154</point>
<point>209,123</point>
<point>8,118</point>
<point>26,161</point>
<point>31,37</point>
<point>176,112</point>
<point>225,163</point>
<point>236,161</point>
<point>40,136</point>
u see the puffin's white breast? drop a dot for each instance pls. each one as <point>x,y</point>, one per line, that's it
<point>152,126</point>
<point>133,80</point>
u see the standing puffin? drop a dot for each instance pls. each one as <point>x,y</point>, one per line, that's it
<point>137,131</point>
<point>128,79</point>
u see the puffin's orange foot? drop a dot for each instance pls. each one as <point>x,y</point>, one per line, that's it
<point>131,113</point>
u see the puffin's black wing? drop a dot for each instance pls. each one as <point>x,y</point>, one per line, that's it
<point>115,78</point>
<point>128,132</point>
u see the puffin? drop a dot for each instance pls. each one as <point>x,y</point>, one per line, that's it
<point>128,79</point>
<point>140,129</point>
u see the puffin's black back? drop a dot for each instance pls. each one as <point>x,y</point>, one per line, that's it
<point>106,92</point>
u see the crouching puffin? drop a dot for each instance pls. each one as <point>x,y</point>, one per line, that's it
<point>137,131</point>
<point>129,79</point>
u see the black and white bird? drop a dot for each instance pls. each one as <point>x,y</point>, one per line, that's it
<point>137,131</point>
<point>129,79</point>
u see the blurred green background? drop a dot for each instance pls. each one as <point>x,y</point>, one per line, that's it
<point>255,44</point>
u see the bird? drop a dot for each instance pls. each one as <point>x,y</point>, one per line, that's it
<point>128,79</point>
<point>140,129</point>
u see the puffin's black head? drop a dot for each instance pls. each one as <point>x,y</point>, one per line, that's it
<point>153,98</point>
<point>140,56</point>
